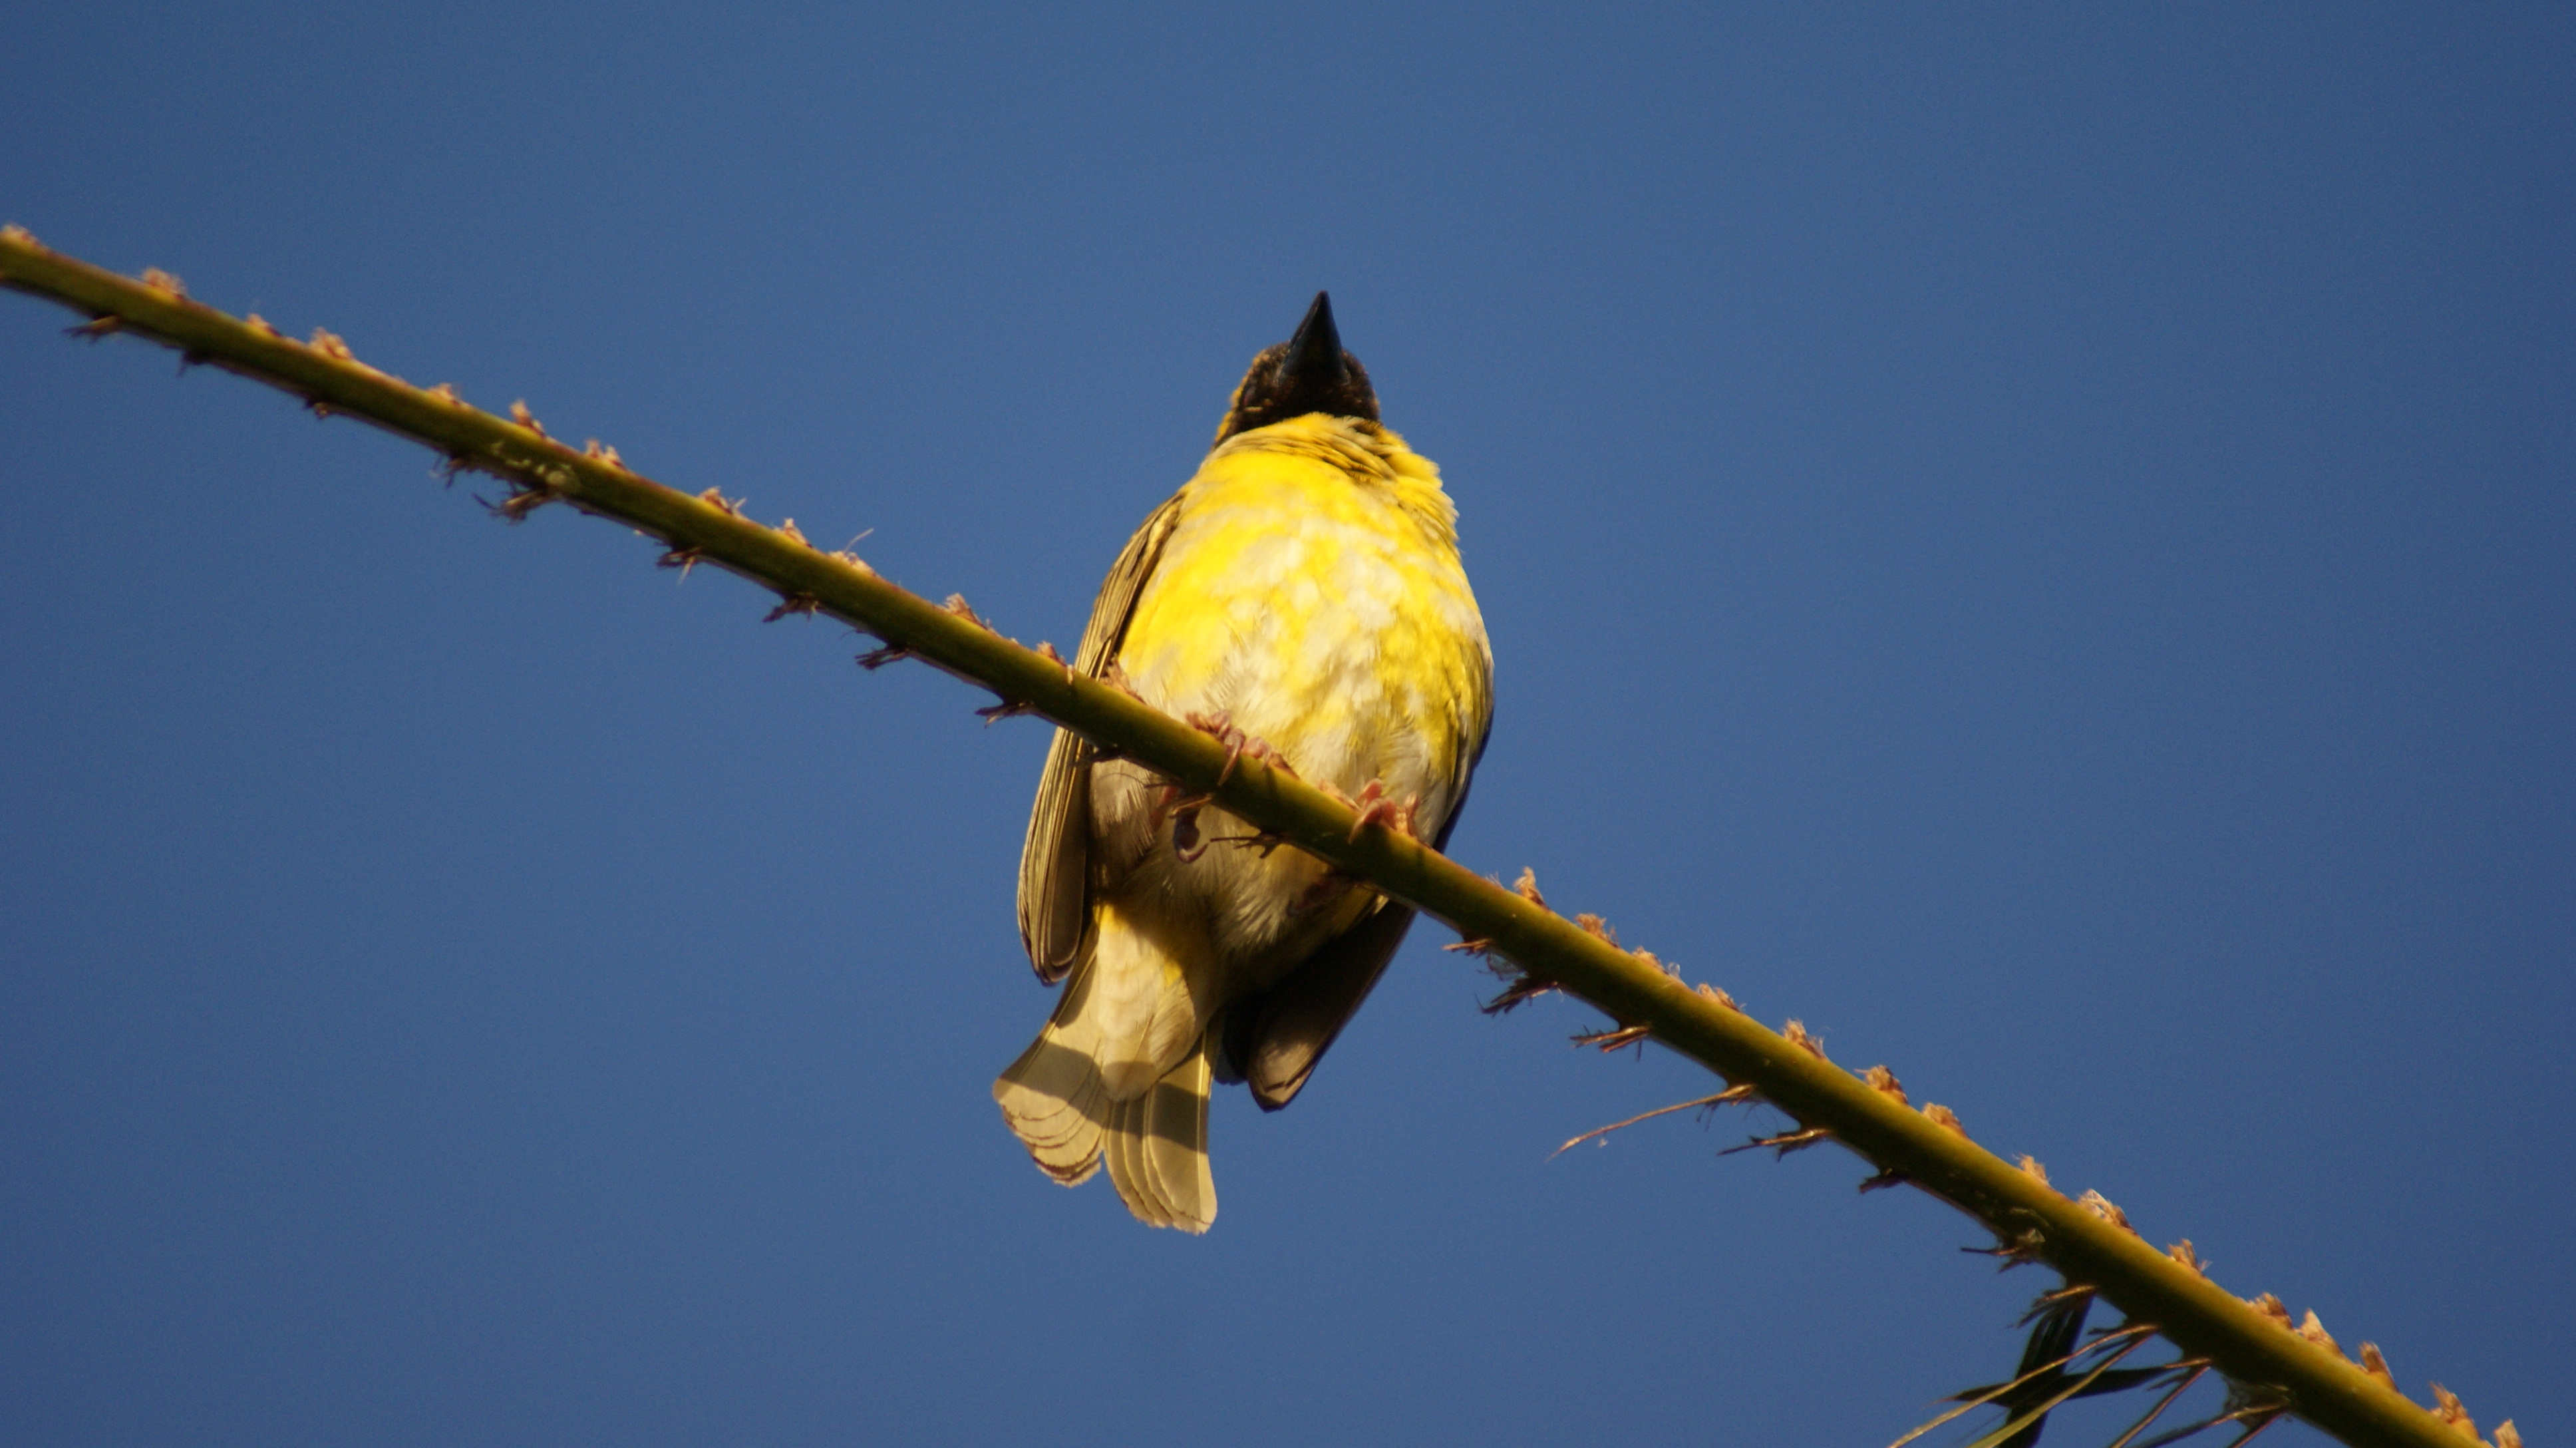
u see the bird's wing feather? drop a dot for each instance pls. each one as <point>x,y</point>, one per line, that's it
<point>1297,1020</point>
<point>1056,858</point>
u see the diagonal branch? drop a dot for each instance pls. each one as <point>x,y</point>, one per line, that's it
<point>2086,1241</point>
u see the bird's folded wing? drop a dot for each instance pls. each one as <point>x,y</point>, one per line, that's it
<point>1054,898</point>
<point>1296,1022</point>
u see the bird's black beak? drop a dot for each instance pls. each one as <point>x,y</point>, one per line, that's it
<point>1307,373</point>
<point>1313,363</point>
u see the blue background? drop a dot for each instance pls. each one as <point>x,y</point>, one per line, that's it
<point>2038,543</point>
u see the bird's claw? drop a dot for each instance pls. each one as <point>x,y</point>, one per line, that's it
<point>1239,746</point>
<point>1376,806</point>
<point>1183,811</point>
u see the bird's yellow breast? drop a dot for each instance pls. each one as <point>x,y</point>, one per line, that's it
<point>1311,589</point>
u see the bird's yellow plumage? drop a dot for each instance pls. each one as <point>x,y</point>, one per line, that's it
<point>1304,587</point>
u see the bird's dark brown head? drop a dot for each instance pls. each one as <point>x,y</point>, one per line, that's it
<point>1307,373</point>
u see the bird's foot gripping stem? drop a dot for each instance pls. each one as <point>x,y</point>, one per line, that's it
<point>1187,843</point>
<point>1376,807</point>
<point>1239,746</point>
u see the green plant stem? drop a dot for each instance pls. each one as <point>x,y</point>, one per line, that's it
<point>2033,1220</point>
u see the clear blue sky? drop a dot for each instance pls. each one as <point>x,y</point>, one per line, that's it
<point>2037,543</point>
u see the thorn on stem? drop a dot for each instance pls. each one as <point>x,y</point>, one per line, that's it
<point>1796,1031</point>
<point>1944,1117</point>
<point>1785,1142</point>
<point>1613,1039</point>
<point>878,658</point>
<point>805,603</point>
<point>684,557</point>
<point>958,606</point>
<point>518,410</point>
<point>1884,1082</point>
<point>516,507</point>
<point>1520,986</point>
<point>1007,709</point>
<point>95,328</point>
<point>2069,1293</point>
<point>329,345</point>
<point>787,527</point>
<point>2453,1413</point>
<point>2016,1251</point>
<point>2109,1211</point>
<point>715,498</point>
<point>1718,995</point>
<point>1886,1177</point>
<point>165,283</point>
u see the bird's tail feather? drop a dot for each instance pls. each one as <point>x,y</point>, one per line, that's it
<point>1052,1095</point>
<point>1157,1148</point>
<point>1056,1101</point>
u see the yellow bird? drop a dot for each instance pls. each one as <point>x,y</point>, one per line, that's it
<point>1304,589</point>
